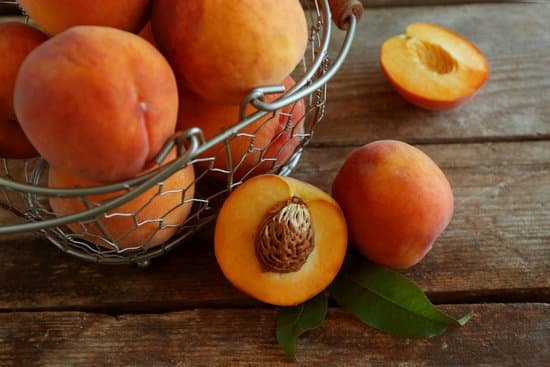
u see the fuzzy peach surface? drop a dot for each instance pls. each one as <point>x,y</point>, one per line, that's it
<point>97,101</point>
<point>148,220</point>
<point>222,49</point>
<point>17,40</point>
<point>396,201</point>
<point>264,145</point>
<point>56,16</point>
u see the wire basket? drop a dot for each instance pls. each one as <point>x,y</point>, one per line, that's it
<point>86,233</point>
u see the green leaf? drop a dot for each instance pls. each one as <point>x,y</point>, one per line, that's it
<point>294,321</point>
<point>386,300</point>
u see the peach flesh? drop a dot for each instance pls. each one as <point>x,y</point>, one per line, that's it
<point>239,226</point>
<point>432,67</point>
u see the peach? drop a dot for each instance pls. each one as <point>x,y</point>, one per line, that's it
<point>223,49</point>
<point>396,201</point>
<point>17,40</point>
<point>55,16</point>
<point>148,220</point>
<point>274,137</point>
<point>432,67</point>
<point>97,102</point>
<point>280,240</point>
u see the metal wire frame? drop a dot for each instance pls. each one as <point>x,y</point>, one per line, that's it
<point>311,86</point>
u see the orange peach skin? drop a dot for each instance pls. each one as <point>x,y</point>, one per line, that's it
<point>97,102</point>
<point>55,16</point>
<point>223,49</point>
<point>150,232</point>
<point>396,201</point>
<point>433,67</point>
<point>17,40</point>
<point>278,136</point>
<point>235,234</point>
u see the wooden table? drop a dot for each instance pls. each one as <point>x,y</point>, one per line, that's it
<point>494,258</point>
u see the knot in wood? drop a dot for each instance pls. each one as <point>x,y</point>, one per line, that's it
<point>285,238</point>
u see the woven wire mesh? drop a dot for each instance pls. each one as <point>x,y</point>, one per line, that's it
<point>155,221</point>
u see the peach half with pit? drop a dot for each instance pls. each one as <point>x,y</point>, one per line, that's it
<point>280,240</point>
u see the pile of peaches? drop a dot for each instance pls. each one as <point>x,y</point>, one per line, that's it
<point>97,91</point>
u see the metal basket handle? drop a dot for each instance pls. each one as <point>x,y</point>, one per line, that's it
<point>346,16</point>
<point>342,10</point>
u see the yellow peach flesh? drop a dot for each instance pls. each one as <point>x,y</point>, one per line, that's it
<point>236,231</point>
<point>432,66</point>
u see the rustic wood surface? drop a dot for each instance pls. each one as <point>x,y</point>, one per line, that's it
<point>494,258</point>
<point>498,335</point>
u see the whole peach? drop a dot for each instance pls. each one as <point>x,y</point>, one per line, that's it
<point>222,49</point>
<point>17,40</point>
<point>396,201</point>
<point>264,146</point>
<point>55,16</point>
<point>149,219</point>
<point>97,102</point>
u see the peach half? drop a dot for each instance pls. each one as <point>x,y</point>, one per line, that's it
<point>432,67</point>
<point>148,220</point>
<point>280,240</point>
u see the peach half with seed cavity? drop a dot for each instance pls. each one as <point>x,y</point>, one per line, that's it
<point>280,240</point>
<point>433,67</point>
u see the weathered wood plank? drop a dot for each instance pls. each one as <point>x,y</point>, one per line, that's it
<point>496,247</point>
<point>498,335</point>
<point>514,104</point>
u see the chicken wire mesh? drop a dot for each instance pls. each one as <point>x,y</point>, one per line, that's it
<point>138,219</point>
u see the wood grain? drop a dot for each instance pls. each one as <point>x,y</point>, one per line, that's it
<point>513,105</point>
<point>496,247</point>
<point>503,335</point>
